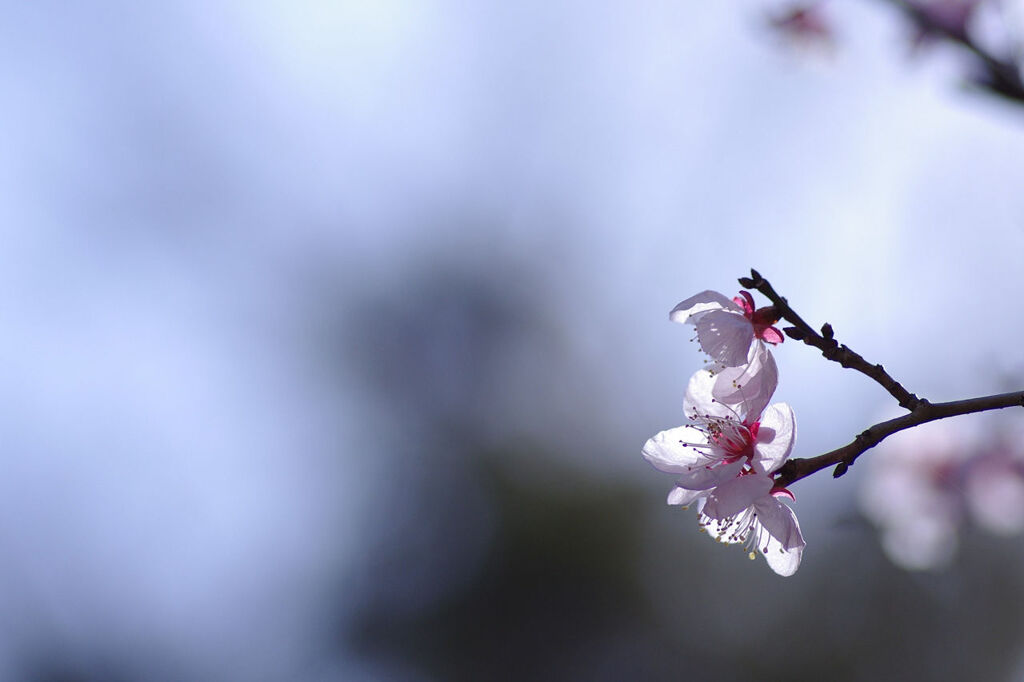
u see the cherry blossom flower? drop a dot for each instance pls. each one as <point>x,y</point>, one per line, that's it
<point>722,439</point>
<point>925,483</point>
<point>723,462</point>
<point>733,334</point>
<point>747,510</point>
<point>727,329</point>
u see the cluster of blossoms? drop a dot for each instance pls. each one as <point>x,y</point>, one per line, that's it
<point>923,485</point>
<point>725,460</point>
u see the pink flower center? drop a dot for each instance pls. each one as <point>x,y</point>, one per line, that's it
<point>735,438</point>
<point>762,319</point>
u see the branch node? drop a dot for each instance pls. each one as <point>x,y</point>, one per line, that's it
<point>795,333</point>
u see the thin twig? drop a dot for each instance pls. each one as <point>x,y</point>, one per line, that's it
<point>844,457</point>
<point>829,347</point>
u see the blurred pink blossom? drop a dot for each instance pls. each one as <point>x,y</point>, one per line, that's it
<point>923,484</point>
<point>913,493</point>
<point>804,23</point>
<point>994,489</point>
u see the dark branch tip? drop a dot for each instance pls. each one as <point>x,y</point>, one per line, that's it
<point>840,469</point>
<point>826,331</point>
<point>748,283</point>
<point>795,333</point>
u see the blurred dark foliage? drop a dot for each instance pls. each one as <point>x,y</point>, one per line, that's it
<point>55,670</point>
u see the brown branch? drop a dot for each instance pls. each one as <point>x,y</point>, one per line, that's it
<point>844,457</point>
<point>829,347</point>
<point>921,411</point>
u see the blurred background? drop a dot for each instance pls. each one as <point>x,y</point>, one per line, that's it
<point>332,333</point>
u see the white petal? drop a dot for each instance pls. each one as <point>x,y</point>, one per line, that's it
<point>783,561</point>
<point>725,336</point>
<point>699,401</point>
<point>733,496</point>
<point>682,496</point>
<point>703,477</point>
<point>667,452</point>
<point>751,385</point>
<point>780,522</point>
<point>702,302</point>
<point>775,438</point>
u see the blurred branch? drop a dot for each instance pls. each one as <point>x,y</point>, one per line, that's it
<point>829,347</point>
<point>1000,75</point>
<point>844,457</point>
